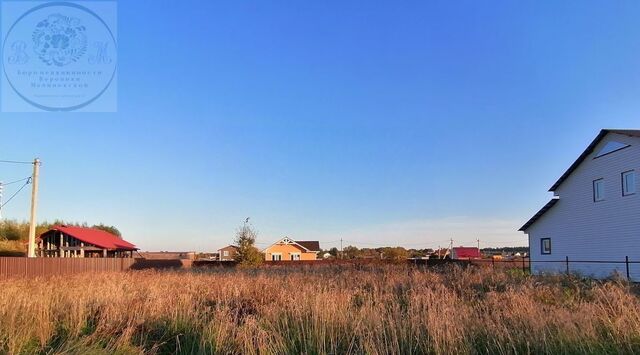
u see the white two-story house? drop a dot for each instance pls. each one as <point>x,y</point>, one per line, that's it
<point>595,212</point>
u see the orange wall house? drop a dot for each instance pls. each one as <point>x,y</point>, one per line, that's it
<point>287,249</point>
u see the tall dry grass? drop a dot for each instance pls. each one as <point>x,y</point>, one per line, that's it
<point>328,310</point>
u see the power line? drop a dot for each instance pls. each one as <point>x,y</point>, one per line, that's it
<point>427,242</point>
<point>13,182</point>
<point>14,195</point>
<point>15,162</point>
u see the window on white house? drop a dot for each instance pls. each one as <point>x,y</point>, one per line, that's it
<point>295,256</point>
<point>628,183</point>
<point>225,253</point>
<point>598,190</point>
<point>545,246</point>
<point>276,257</point>
<point>610,147</point>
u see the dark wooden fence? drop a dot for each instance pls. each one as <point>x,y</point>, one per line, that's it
<point>44,267</point>
<point>33,267</point>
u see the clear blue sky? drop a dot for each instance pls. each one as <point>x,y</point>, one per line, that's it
<point>378,123</point>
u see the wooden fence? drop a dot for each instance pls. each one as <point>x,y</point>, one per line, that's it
<point>44,267</point>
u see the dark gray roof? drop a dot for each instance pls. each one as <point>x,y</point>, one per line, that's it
<point>229,246</point>
<point>589,150</point>
<point>311,245</point>
<point>539,214</point>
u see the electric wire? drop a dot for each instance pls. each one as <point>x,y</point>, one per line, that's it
<point>15,162</point>
<point>16,193</point>
<point>14,182</point>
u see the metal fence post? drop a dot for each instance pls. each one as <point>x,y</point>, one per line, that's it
<point>626,262</point>
<point>567,261</point>
<point>523,269</point>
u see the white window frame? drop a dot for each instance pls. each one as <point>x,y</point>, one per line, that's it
<point>279,255</point>
<point>225,253</point>
<point>598,192</point>
<point>291,255</point>
<point>543,249</point>
<point>628,189</point>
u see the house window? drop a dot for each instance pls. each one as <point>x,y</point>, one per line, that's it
<point>545,246</point>
<point>295,256</point>
<point>611,147</point>
<point>276,257</point>
<point>225,253</point>
<point>598,190</point>
<point>628,183</point>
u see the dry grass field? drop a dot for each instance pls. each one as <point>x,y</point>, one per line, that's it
<point>328,310</point>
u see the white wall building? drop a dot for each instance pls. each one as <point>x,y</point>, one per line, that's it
<point>595,212</point>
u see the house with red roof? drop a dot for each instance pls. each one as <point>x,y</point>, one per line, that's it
<point>81,242</point>
<point>465,253</point>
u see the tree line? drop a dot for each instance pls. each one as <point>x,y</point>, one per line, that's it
<point>388,253</point>
<point>13,230</point>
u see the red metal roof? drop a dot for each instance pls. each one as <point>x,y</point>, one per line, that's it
<point>96,237</point>
<point>466,252</point>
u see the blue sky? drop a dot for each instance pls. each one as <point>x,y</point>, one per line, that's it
<point>379,123</point>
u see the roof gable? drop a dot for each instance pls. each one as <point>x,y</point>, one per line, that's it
<point>589,150</point>
<point>306,245</point>
<point>230,246</point>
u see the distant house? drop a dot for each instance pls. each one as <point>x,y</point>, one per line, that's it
<point>287,249</point>
<point>227,253</point>
<point>80,242</point>
<point>593,215</point>
<point>465,253</point>
<point>169,255</point>
<point>440,254</point>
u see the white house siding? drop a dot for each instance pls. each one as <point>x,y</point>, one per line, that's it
<point>582,229</point>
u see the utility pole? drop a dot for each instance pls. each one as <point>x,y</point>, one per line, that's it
<point>341,254</point>
<point>478,240</point>
<point>34,204</point>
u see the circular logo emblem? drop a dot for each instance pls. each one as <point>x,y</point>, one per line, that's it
<point>59,56</point>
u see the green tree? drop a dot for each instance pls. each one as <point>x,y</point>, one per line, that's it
<point>351,252</point>
<point>14,230</point>
<point>247,255</point>
<point>11,230</point>
<point>396,254</point>
<point>109,229</point>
